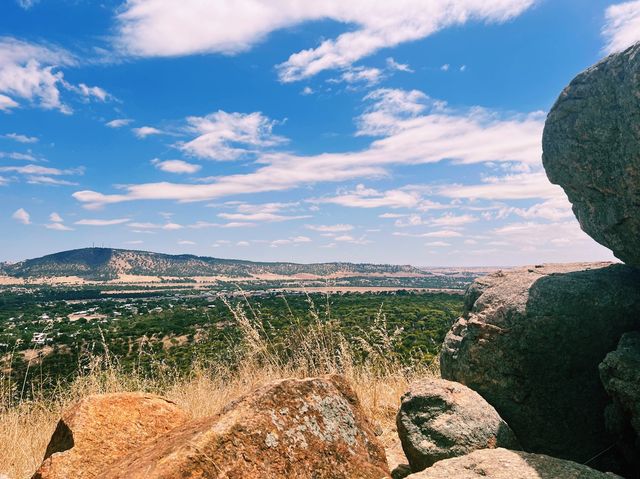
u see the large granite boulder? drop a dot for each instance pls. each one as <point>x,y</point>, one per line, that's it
<point>591,146</point>
<point>302,428</point>
<point>102,429</point>
<point>505,464</point>
<point>530,342</point>
<point>439,419</point>
<point>620,374</point>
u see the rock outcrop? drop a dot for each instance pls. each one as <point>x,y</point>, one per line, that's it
<point>505,464</point>
<point>439,419</point>
<point>591,147</point>
<point>530,342</point>
<point>102,429</point>
<point>310,428</point>
<point>620,374</point>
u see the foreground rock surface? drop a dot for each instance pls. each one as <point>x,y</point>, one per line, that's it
<point>505,464</point>
<point>591,147</point>
<point>620,374</point>
<point>439,419</point>
<point>311,428</point>
<point>530,343</point>
<point>100,430</point>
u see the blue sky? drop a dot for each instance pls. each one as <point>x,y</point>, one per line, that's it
<point>400,132</point>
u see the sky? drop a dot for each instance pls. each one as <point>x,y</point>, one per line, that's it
<point>404,132</point>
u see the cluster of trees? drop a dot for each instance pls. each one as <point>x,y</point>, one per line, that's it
<point>176,330</point>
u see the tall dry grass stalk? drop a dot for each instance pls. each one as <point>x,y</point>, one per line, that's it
<point>369,363</point>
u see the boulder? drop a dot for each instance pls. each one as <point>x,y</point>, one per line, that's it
<point>530,342</point>
<point>102,429</point>
<point>504,464</point>
<point>302,428</point>
<point>620,374</point>
<point>439,419</point>
<point>591,148</point>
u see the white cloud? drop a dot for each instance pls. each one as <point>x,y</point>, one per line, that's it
<point>58,227</point>
<point>42,175</point>
<point>154,226</point>
<point>295,240</point>
<point>622,26</point>
<point>47,180</point>
<point>242,243</point>
<point>57,223</point>
<point>438,244</point>
<point>55,218</point>
<point>186,242</point>
<point>21,138</point>
<point>152,28</point>
<point>226,136</point>
<point>145,131</point>
<point>536,235</point>
<point>339,228</point>
<point>363,197</point>
<point>18,156</point>
<point>509,187</point>
<point>307,90</point>
<point>119,122</point>
<point>21,216</point>
<point>431,234</point>
<point>445,67</point>
<point>389,108</point>
<point>176,166</point>
<point>134,242</point>
<point>259,217</point>
<point>30,72</point>
<point>452,220</point>
<point>39,170</point>
<point>473,136</point>
<point>401,67</point>
<point>370,76</point>
<point>93,92</point>
<point>27,4</point>
<point>7,103</point>
<point>100,222</point>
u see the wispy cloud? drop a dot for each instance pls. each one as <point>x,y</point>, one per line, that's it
<point>21,138</point>
<point>226,136</point>
<point>176,166</point>
<point>339,228</point>
<point>151,28</point>
<point>22,216</point>
<point>119,122</point>
<point>102,222</point>
<point>30,72</point>
<point>474,135</point>
<point>622,26</point>
<point>145,131</point>
<point>401,67</point>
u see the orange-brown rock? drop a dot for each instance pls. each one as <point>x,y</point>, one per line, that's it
<point>102,429</point>
<point>294,428</point>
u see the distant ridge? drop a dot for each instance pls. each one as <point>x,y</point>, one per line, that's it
<point>104,264</point>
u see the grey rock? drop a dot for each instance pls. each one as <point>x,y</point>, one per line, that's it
<point>620,374</point>
<point>439,419</point>
<point>591,148</point>
<point>530,343</point>
<point>505,464</point>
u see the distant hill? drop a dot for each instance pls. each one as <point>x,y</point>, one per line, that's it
<point>103,264</point>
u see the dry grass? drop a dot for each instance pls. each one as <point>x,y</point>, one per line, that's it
<point>378,379</point>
